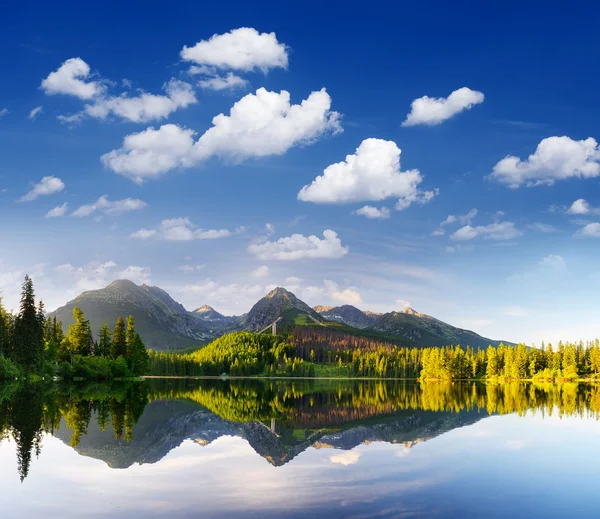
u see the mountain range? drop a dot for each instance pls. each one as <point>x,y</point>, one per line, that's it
<point>165,324</point>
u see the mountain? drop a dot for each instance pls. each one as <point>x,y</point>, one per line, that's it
<point>428,331</point>
<point>278,303</point>
<point>161,322</point>
<point>346,314</point>
<point>213,318</point>
<point>419,328</point>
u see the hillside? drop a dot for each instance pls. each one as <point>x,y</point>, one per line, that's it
<point>161,322</point>
<point>278,303</point>
<point>420,329</point>
<point>346,314</point>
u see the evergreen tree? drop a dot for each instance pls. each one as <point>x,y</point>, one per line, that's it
<point>138,356</point>
<point>79,334</point>
<point>118,347</point>
<point>104,341</point>
<point>129,339</point>
<point>28,339</point>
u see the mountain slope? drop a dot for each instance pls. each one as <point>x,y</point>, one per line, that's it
<point>428,331</point>
<point>277,303</point>
<point>346,314</point>
<point>161,322</point>
<point>213,318</point>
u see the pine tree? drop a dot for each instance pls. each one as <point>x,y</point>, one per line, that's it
<point>129,339</point>
<point>118,347</point>
<point>79,334</point>
<point>28,340</point>
<point>104,341</point>
<point>138,356</point>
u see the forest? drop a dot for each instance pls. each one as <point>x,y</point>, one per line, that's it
<point>307,352</point>
<point>34,346</point>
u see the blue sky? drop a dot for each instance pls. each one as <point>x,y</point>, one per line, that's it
<point>214,210</point>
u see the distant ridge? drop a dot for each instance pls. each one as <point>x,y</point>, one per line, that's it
<point>164,323</point>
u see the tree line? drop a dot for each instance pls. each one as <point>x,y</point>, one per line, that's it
<point>300,351</point>
<point>33,345</point>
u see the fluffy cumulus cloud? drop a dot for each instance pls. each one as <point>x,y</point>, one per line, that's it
<point>72,78</point>
<point>242,49</point>
<point>46,186</point>
<point>298,246</point>
<point>435,110</point>
<point>347,296</point>
<point>141,108</point>
<point>590,230</point>
<point>553,262</point>
<point>493,231</point>
<point>373,212</point>
<point>214,293</point>
<point>582,207</point>
<point>3,112</point>
<point>258,125</point>
<point>106,206</point>
<point>556,158</point>
<point>372,173</point>
<point>58,211</point>
<point>179,229</point>
<point>150,153</point>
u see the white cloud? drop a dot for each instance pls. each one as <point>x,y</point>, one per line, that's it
<point>71,79</point>
<point>493,231</point>
<point>58,211</point>
<point>259,125</point>
<point>556,158</point>
<point>189,268</point>
<point>371,174</point>
<point>591,230</point>
<point>46,186</point>
<point>542,227</point>
<point>348,296</point>
<point>150,153</point>
<point>143,234</point>
<point>581,207</point>
<point>96,275</point>
<point>214,292</point>
<point>464,219</point>
<point>3,112</point>
<point>180,229</point>
<point>217,82</point>
<point>240,49</point>
<point>299,246</point>
<point>269,229</point>
<point>373,212</point>
<point>432,110</point>
<point>347,458</point>
<point>553,262</point>
<point>141,108</point>
<point>33,115</point>
<point>261,272</point>
<point>402,303</point>
<point>104,205</point>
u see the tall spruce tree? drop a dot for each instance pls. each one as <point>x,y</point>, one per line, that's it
<point>118,347</point>
<point>104,341</point>
<point>28,339</point>
<point>79,334</point>
<point>138,356</point>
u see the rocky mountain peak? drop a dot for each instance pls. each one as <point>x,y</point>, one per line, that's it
<point>204,309</point>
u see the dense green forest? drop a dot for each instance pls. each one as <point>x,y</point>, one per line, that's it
<point>33,346</point>
<point>313,352</point>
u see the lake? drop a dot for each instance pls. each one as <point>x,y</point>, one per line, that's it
<point>303,448</point>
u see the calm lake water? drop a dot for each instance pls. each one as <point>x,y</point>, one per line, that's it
<point>276,449</point>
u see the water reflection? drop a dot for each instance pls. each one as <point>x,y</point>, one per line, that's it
<point>125,424</point>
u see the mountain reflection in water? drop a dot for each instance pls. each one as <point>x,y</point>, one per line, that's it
<point>141,422</point>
